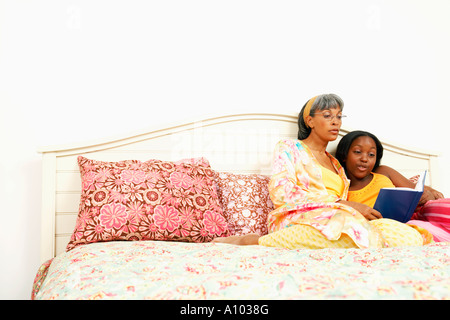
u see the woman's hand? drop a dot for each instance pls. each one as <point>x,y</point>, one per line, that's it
<point>368,212</point>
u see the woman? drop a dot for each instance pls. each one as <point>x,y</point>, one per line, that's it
<point>360,152</point>
<point>309,191</point>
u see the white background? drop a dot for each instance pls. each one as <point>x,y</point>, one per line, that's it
<point>72,71</point>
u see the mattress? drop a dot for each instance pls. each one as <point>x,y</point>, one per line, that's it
<point>178,270</point>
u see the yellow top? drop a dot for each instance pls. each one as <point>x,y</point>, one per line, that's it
<point>333,182</point>
<point>368,194</point>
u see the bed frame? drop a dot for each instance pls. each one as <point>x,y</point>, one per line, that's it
<point>240,143</point>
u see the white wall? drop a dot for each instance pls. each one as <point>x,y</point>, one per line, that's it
<point>76,70</point>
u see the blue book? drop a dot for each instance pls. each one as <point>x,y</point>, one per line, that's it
<point>399,203</point>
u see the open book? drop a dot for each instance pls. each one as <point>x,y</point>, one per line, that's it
<point>399,203</point>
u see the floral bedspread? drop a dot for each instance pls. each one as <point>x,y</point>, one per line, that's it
<point>174,270</point>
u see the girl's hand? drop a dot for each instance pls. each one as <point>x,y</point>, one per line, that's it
<point>430,194</point>
<point>368,212</point>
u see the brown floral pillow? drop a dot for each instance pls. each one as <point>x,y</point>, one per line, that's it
<point>245,201</point>
<point>152,200</point>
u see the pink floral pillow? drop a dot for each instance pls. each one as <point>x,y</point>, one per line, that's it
<point>152,200</point>
<point>245,201</point>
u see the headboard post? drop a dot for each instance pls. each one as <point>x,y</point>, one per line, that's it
<point>48,206</point>
<point>433,175</point>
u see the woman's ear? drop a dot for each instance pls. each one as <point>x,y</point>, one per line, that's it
<point>309,122</point>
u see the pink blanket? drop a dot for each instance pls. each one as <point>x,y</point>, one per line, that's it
<point>434,216</point>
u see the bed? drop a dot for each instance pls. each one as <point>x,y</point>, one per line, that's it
<point>112,232</point>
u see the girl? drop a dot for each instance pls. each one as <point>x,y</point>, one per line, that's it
<point>360,153</point>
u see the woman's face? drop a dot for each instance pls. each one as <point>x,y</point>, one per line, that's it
<point>327,123</point>
<point>361,157</point>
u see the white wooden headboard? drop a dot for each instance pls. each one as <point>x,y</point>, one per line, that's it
<point>241,143</point>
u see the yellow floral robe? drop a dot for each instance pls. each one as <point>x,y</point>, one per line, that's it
<point>301,198</point>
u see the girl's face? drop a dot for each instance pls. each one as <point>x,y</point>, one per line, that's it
<point>361,157</point>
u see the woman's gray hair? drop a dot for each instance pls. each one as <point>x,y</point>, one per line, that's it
<point>322,102</point>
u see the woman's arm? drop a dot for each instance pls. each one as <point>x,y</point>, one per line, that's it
<point>290,183</point>
<point>368,212</point>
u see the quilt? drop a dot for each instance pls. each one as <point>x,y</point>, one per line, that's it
<point>178,270</point>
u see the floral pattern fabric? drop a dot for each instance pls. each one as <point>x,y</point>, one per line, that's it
<point>180,270</point>
<point>152,200</point>
<point>245,201</point>
<point>300,197</point>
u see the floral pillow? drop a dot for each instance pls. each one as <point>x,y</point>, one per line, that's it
<point>152,200</point>
<point>245,201</point>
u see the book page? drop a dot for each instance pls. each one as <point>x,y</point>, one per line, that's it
<point>402,188</point>
<point>421,182</point>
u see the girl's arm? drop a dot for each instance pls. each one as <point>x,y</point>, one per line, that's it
<point>400,181</point>
<point>396,177</point>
